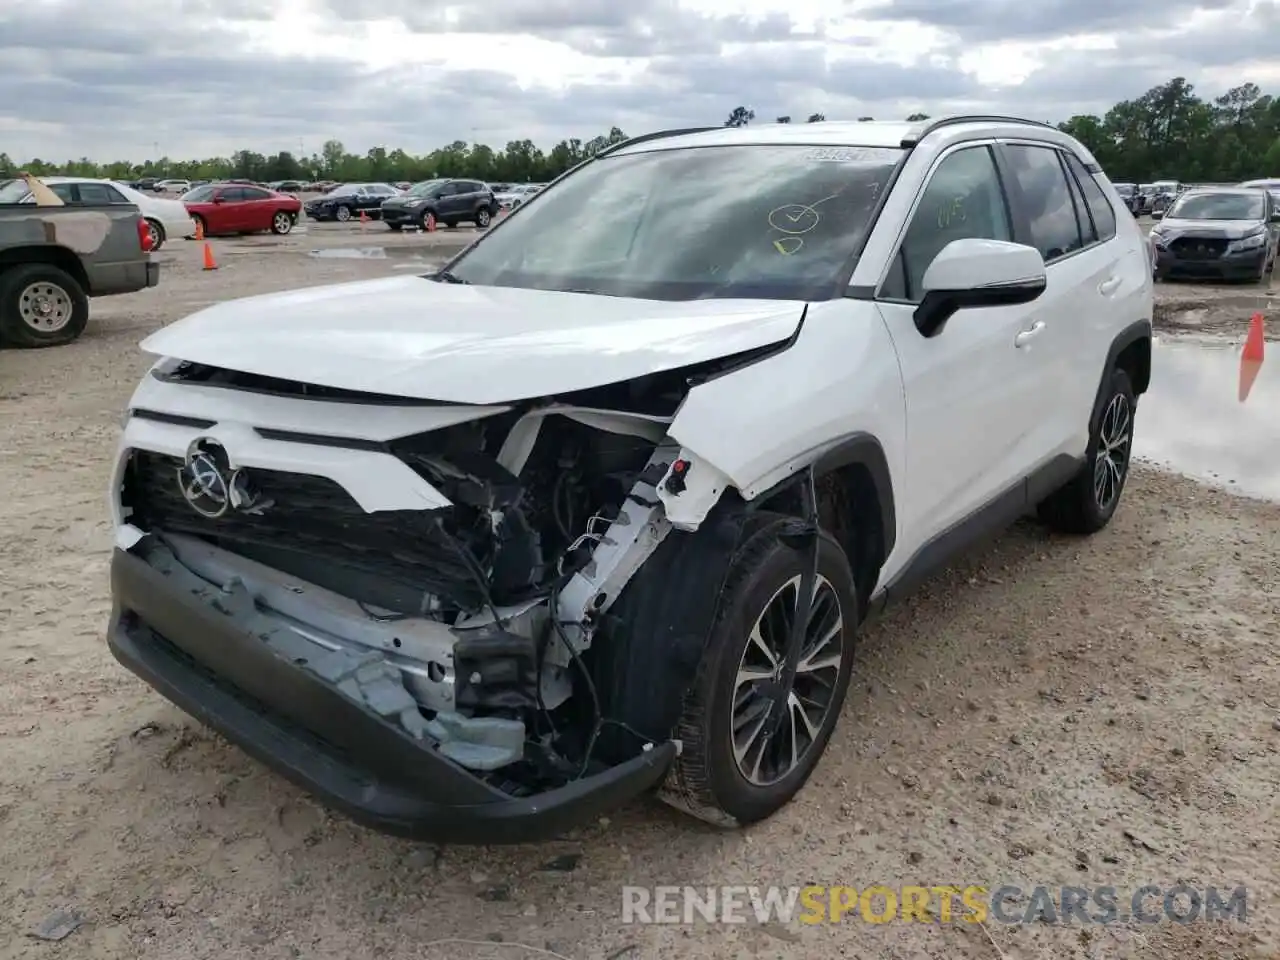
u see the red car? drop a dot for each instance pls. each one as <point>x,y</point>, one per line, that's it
<point>238,208</point>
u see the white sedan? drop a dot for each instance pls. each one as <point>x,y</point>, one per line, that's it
<point>166,217</point>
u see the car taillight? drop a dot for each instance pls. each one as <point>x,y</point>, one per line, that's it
<point>144,235</point>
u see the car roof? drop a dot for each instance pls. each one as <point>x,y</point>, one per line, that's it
<point>893,134</point>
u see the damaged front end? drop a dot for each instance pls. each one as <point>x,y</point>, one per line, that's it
<point>434,671</point>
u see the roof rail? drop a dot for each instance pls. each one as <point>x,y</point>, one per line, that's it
<point>913,138</point>
<point>646,137</point>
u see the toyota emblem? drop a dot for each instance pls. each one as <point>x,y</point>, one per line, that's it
<point>211,486</point>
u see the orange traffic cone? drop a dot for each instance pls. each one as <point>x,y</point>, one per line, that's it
<point>364,218</point>
<point>1251,356</point>
<point>431,223</point>
<point>199,230</point>
<point>209,263</point>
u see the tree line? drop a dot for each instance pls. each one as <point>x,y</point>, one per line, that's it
<point>1167,133</point>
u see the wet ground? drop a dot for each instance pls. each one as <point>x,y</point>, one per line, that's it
<point>1193,421</point>
<point>1050,711</point>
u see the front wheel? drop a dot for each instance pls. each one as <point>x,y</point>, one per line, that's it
<point>752,729</point>
<point>1087,502</point>
<point>281,223</point>
<point>342,214</point>
<point>483,217</point>
<point>41,306</point>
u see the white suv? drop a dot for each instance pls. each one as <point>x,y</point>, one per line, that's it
<point>599,508</point>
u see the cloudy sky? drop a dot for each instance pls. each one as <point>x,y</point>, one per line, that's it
<point>119,79</point>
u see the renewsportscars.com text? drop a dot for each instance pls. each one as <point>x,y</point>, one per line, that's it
<point>943,903</point>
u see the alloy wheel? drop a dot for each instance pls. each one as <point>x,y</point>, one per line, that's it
<point>776,721</point>
<point>1111,461</point>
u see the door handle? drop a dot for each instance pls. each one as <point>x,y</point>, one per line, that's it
<point>1109,286</point>
<point>1026,336</point>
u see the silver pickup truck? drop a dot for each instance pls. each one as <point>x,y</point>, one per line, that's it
<point>54,258</point>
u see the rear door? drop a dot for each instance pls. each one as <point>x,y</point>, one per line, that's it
<point>1062,211</point>
<point>259,205</point>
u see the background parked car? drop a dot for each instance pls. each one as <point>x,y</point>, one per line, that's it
<point>165,218</point>
<point>344,202</point>
<point>172,186</point>
<point>1129,194</point>
<point>449,201</point>
<point>1228,233</point>
<point>516,194</point>
<point>236,208</point>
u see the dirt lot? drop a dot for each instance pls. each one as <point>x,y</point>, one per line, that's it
<point>1049,712</point>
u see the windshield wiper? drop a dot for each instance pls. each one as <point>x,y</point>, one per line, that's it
<point>444,276</point>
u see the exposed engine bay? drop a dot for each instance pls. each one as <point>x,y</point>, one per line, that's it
<point>469,626</point>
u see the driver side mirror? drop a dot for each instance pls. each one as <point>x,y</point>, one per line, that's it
<point>978,273</point>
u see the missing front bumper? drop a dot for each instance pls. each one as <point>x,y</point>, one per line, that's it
<point>304,728</point>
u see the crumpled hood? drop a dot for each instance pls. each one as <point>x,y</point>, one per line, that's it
<point>1230,229</point>
<point>413,337</point>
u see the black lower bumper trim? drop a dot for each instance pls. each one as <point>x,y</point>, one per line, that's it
<point>309,732</point>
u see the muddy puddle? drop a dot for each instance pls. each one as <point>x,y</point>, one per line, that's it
<point>1192,419</point>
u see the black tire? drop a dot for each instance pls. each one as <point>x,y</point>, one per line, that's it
<point>483,217</point>
<point>157,234</point>
<point>707,779</point>
<point>281,223</point>
<point>1087,502</point>
<point>342,214</point>
<point>69,320</point>
<point>397,227</point>
<point>451,224</point>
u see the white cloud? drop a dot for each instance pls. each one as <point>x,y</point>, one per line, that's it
<point>110,78</point>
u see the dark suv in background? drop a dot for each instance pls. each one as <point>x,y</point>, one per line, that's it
<point>448,201</point>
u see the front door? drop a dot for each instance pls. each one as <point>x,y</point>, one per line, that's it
<point>975,391</point>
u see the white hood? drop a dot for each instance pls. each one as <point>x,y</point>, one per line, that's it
<point>412,337</point>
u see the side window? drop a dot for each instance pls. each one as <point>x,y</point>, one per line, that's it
<point>100,193</point>
<point>1084,220</point>
<point>233,194</point>
<point>963,199</point>
<point>1047,199</point>
<point>64,192</point>
<point>253,193</point>
<point>1104,215</point>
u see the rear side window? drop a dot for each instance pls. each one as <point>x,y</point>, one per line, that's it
<point>234,194</point>
<point>253,193</point>
<point>1100,209</point>
<point>100,193</point>
<point>1046,198</point>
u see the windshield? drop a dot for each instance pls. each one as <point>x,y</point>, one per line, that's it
<point>772,222</point>
<point>423,188</point>
<point>13,191</point>
<point>199,195</point>
<point>1217,206</point>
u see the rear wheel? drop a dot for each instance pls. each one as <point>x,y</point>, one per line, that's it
<point>1086,503</point>
<point>157,234</point>
<point>41,306</point>
<point>753,731</point>
<point>396,226</point>
<point>281,223</point>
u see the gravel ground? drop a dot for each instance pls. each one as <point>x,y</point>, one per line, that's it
<point>1050,711</point>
